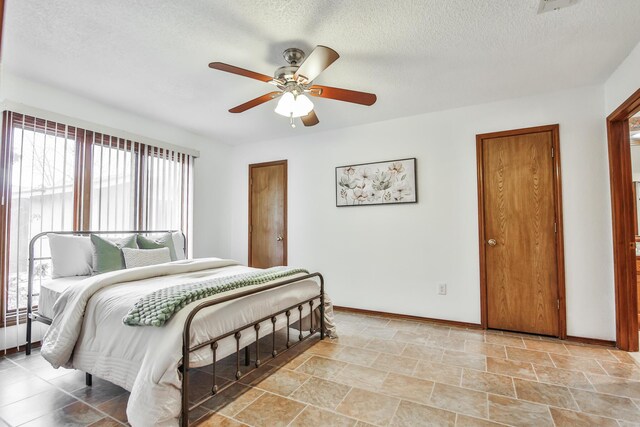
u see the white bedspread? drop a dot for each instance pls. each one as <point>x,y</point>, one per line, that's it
<point>87,332</point>
<point>50,291</point>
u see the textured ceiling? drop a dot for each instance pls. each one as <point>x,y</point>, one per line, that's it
<point>150,57</point>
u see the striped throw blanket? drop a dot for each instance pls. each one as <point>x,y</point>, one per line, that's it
<point>158,307</point>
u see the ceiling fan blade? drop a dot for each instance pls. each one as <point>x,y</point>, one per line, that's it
<point>310,119</point>
<point>255,102</point>
<point>346,95</point>
<point>319,60</point>
<point>240,71</point>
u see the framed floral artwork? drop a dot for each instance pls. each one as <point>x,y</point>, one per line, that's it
<point>378,183</point>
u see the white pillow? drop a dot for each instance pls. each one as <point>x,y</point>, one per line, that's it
<point>70,255</point>
<point>143,257</point>
<point>178,244</point>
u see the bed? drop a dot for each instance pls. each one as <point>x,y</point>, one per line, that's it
<point>153,362</point>
<point>50,291</point>
<point>51,288</point>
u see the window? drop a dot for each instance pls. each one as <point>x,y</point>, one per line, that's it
<point>58,177</point>
<point>165,180</point>
<point>114,185</point>
<point>41,168</point>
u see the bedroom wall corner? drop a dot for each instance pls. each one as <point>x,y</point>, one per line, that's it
<point>623,82</point>
<point>211,193</point>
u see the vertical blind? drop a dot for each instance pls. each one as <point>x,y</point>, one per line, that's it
<point>57,177</point>
<point>165,178</point>
<point>138,187</point>
<point>38,168</point>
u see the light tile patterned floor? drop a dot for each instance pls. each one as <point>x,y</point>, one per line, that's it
<point>379,372</point>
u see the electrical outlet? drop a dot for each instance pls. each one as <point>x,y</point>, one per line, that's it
<point>442,289</point>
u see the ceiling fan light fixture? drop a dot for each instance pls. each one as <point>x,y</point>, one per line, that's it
<point>291,105</point>
<point>295,82</point>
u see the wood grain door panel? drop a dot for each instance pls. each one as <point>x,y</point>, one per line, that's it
<point>267,214</point>
<point>520,215</point>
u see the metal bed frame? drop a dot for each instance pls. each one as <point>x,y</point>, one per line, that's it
<point>187,348</point>
<point>38,317</point>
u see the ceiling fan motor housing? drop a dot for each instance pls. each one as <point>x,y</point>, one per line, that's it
<point>285,73</point>
<point>293,56</point>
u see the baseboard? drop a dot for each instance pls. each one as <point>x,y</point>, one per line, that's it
<point>593,341</point>
<point>19,349</point>
<point>408,317</point>
<point>582,340</point>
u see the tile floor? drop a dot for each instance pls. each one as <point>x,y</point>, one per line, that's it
<point>379,372</point>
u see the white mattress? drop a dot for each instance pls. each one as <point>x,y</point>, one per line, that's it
<point>51,289</point>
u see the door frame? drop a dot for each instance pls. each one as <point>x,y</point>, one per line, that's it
<point>557,195</point>
<point>624,257</point>
<point>1,24</point>
<point>286,209</point>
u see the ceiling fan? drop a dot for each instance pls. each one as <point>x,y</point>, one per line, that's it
<point>294,82</point>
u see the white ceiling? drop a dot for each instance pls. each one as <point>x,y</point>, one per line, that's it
<point>150,57</point>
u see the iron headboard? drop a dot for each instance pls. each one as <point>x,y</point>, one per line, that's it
<point>37,237</point>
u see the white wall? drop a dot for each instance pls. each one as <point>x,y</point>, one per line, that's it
<point>635,162</point>
<point>623,82</point>
<point>635,170</point>
<point>391,258</point>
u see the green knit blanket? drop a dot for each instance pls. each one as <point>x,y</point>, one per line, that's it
<point>156,308</point>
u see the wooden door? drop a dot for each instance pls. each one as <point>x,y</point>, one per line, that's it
<point>268,214</point>
<point>624,247</point>
<point>519,235</point>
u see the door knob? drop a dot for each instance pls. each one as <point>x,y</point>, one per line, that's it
<point>279,238</point>
<point>492,242</point>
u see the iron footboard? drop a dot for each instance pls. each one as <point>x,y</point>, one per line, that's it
<point>254,326</point>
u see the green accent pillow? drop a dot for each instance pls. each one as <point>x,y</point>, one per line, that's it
<point>107,253</point>
<point>164,241</point>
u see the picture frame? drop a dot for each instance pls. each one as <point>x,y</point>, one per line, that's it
<point>389,182</point>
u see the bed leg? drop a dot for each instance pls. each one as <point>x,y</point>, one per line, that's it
<point>247,356</point>
<point>184,413</point>
<point>28,347</point>
<point>88,379</point>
